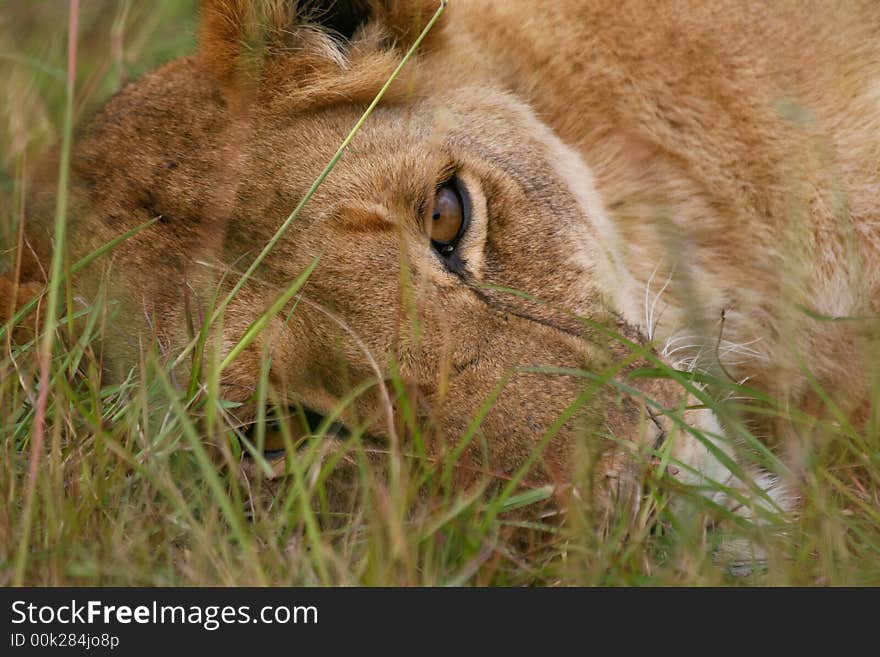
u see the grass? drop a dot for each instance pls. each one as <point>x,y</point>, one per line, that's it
<point>140,482</point>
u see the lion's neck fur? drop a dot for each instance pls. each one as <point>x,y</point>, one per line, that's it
<point>738,183</point>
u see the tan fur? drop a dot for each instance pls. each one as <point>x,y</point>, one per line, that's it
<point>640,164</point>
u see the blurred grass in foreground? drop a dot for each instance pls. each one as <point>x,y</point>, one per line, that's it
<point>126,495</point>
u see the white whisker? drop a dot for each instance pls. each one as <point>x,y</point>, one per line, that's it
<point>652,325</point>
<point>647,297</point>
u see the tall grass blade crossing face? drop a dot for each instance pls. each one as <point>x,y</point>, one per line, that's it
<point>255,265</point>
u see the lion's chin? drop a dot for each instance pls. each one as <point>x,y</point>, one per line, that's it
<point>691,456</point>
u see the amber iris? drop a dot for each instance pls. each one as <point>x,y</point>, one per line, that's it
<point>447,216</point>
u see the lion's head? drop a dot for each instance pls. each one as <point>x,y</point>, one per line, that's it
<point>457,246</point>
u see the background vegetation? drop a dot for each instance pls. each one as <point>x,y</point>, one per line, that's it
<point>124,493</point>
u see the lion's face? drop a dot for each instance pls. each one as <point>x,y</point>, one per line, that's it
<point>457,248</point>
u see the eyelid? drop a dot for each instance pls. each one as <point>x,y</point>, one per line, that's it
<point>445,176</point>
<point>466,206</point>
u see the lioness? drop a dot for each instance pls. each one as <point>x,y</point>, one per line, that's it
<point>549,187</point>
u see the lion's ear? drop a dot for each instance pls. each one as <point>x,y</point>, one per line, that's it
<point>240,35</point>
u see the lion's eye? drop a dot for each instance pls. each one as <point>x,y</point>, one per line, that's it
<point>448,219</point>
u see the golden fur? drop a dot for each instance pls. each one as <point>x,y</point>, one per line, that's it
<point>652,167</point>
